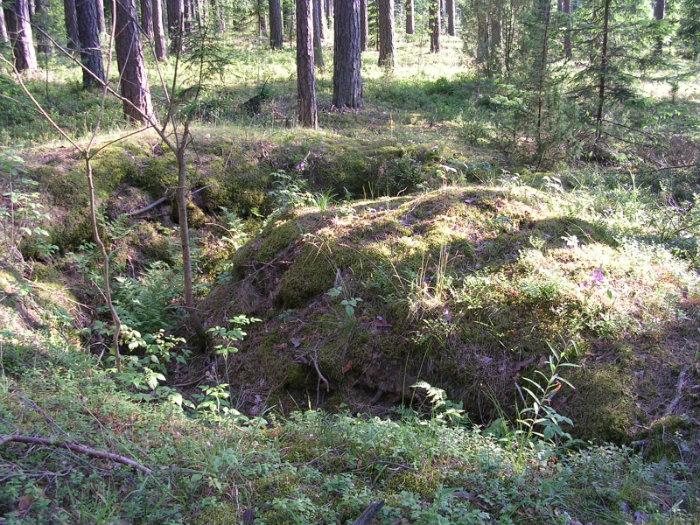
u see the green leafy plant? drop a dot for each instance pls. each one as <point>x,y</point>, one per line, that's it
<point>232,335</point>
<point>442,409</point>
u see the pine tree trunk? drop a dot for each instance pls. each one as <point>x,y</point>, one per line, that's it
<point>132,69</point>
<point>482,38</point>
<point>320,5</point>
<point>4,37</point>
<point>364,25</point>
<point>159,45</point>
<point>347,61</point>
<point>451,15</point>
<point>566,9</point>
<point>410,16</point>
<point>99,4</point>
<point>176,24</point>
<point>603,72</point>
<point>659,9</point>
<point>329,12</point>
<point>306,80</point>
<point>71,20</point>
<point>387,48</point>
<point>90,51</point>
<point>147,18</point>
<point>19,29</point>
<point>317,6</point>
<point>434,24</point>
<point>288,20</point>
<point>41,22</point>
<point>276,27</point>
<point>260,14</point>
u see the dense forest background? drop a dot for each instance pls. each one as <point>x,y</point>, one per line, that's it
<point>349,261</point>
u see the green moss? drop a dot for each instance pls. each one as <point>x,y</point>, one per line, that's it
<point>603,404</point>
<point>158,175</point>
<point>312,273</point>
<point>73,230</point>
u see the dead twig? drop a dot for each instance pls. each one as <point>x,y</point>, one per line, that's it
<point>75,447</point>
<point>369,513</point>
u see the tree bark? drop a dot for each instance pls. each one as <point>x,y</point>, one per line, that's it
<point>347,61</point>
<point>364,25</point>
<point>387,48</point>
<point>317,6</point>
<point>159,46</point>
<point>434,24</point>
<point>19,29</point>
<point>410,15</point>
<point>276,26</point>
<point>132,69</point>
<point>322,12</point>
<point>99,4</point>
<point>41,21</point>
<point>176,24</point>
<point>147,18</point>
<point>4,37</point>
<point>451,15</point>
<point>566,9</point>
<point>90,51</point>
<point>306,80</point>
<point>260,14</point>
<point>71,19</point>
<point>603,73</point>
<point>659,9</point>
<point>329,12</point>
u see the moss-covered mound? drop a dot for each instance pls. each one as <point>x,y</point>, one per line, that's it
<point>466,288</point>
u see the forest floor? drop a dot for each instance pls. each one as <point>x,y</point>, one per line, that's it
<point>375,291</point>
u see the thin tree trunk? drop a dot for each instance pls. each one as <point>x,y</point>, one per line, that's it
<point>219,14</point>
<point>451,15</point>
<point>322,12</point>
<point>482,38</point>
<point>387,48</point>
<point>364,25</point>
<point>659,12</point>
<point>546,16</point>
<point>288,17</point>
<point>176,24</point>
<point>260,13</point>
<point>159,46</point>
<point>147,18</point>
<point>306,80</point>
<point>276,26</point>
<point>4,37</point>
<point>566,9</point>
<point>434,24</point>
<point>30,5</point>
<point>410,15</point>
<point>329,12</point>
<point>19,29</point>
<point>90,51</point>
<point>71,19</point>
<point>132,69</point>
<point>603,73</point>
<point>99,4</point>
<point>317,6</point>
<point>347,60</point>
<point>41,21</point>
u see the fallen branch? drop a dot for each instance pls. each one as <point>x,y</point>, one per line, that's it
<point>369,513</point>
<point>75,447</point>
<point>158,202</point>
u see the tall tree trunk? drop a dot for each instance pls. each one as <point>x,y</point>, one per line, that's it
<point>659,12</point>
<point>329,12</point>
<point>603,72</point>
<point>451,15</point>
<point>434,24</point>
<point>317,6</point>
<point>410,16</point>
<point>347,60</point>
<point>288,19</point>
<point>320,5</point>
<point>276,27</point>
<point>260,14</point>
<point>147,18</point>
<point>99,4</point>
<point>482,38</point>
<point>19,29</point>
<point>71,20</point>
<point>4,37</point>
<point>133,81</point>
<point>41,22</point>
<point>30,6</point>
<point>90,51</point>
<point>218,12</point>
<point>566,9</point>
<point>364,25</point>
<point>176,24</point>
<point>387,48</point>
<point>159,46</point>
<point>306,79</point>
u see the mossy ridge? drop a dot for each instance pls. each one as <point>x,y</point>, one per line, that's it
<point>516,275</point>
